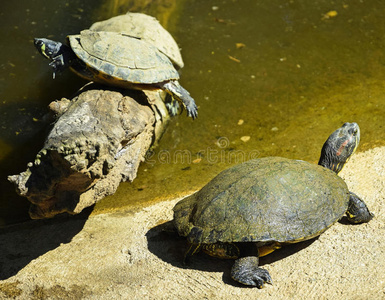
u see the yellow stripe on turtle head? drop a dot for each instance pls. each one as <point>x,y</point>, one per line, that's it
<point>42,48</point>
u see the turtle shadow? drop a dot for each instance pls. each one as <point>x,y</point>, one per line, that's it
<point>170,247</point>
<point>22,243</point>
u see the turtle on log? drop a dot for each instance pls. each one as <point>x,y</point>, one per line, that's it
<point>117,59</point>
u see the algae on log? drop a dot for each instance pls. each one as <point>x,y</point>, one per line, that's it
<point>98,140</point>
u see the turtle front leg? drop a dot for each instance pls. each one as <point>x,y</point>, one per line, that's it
<point>357,211</point>
<point>246,271</point>
<point>65,58</point>
<point>57,64</point>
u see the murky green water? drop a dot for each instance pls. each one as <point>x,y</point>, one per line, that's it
<point>270,78</point>
<point>26,85</point>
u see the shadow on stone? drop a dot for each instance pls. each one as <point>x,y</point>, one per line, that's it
<point>22,243</point>
<point>168,246</point>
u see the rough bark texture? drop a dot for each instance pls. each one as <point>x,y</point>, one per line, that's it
<point>98,140</point>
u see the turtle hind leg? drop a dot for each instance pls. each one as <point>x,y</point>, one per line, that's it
<point>357,211</point>
<point>246,271</point>
<point>172,105</point>
<point>191,250</point>
<point>221,250</point>
<point>180,93</point>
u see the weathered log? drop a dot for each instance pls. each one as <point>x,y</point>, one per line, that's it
<point>98,140</point>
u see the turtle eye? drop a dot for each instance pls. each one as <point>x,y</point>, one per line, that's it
<point>353,131</point>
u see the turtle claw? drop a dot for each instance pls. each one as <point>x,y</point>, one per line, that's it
<point>260,279</point>
<point>246,271</point>
<point>192,111</point>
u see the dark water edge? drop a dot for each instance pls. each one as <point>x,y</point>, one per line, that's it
<point>269,77</point>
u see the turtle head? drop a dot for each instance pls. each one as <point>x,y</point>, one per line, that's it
<point>49,49</point>
<point>340,145</point>
<point>61,56</point>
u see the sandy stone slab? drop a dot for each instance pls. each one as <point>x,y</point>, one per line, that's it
<point>125,255</point>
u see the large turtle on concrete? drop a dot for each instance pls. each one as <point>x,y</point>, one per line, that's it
<point>117,59</point>
<point>253,208</point>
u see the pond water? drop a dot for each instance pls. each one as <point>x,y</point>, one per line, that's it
<point>269,77</point>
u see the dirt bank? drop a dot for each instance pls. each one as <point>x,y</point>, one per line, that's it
<point>125,256</point>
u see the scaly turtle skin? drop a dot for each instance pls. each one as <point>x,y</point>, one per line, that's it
<point>117,59</point>
<point>251,209</point>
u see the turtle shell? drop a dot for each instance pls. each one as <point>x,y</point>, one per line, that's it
<point>146,28</point>
<point>121,60</point>
<point>263,200</point>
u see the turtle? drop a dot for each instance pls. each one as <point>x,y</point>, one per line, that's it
<point>256,207</point>
<point>116,59</point>
<point>146,28</point>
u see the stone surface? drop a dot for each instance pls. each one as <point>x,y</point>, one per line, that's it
<point>125,255</point>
